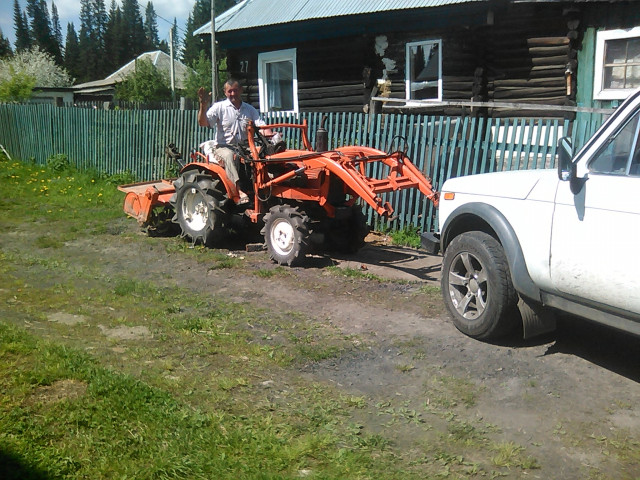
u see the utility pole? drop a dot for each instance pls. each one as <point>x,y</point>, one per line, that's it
<point>214,65</point>
<point>173,66</point>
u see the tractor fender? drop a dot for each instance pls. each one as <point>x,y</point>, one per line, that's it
<point>484,217</point>
<point>216,171</point>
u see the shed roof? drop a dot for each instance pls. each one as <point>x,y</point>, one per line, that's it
<point>260,13</point>
<point>158,58</point>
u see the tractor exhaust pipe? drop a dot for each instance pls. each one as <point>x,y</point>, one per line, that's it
<point>322,137</point>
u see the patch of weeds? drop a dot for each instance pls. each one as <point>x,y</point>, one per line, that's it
<point>449,392</point>
<point>120,178</point>
<point>464,432</point>
<point>128,286</point>
<point>353,273</point>
<point>59,163</point>
<point>409,236</point>
<point>230,262</point>
<point>317,352</point>
<point>227,383</point>
<point>429,290</point>
<point>48,241</point>
<point>510,455</point>
<point>620,444</point>
<point>279,271</point>
<point>354,401</point>
<point>405,367</point>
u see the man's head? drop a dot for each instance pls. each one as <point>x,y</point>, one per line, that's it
<point>233,91</point>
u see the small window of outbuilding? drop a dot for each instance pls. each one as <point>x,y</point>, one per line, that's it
<point>617,64</point>
<point>278,81</point>
<point>424,70</point>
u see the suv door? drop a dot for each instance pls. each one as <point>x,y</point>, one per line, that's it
<point>595,232</point>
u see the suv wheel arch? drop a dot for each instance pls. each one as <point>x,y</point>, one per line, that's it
<point>468,216</point>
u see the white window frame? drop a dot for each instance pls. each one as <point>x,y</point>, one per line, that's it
<point>599,92</point>
<point>408,70</point>
<point>270,57</point>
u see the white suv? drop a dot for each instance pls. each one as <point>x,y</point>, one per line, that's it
<point>519,245</point>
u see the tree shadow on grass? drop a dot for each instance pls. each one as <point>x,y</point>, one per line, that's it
<point>13,467</point>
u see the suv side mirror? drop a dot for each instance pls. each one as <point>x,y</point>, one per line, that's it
<point>566,169</point>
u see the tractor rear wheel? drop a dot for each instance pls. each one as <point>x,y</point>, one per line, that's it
<point>286,233</point>
<point>198,205</point>
<point>347,235</point>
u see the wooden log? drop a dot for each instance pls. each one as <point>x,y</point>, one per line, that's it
<point>527,83</point>
<point>348,100</point>
<point>302,95</point>
<point>327,83</point>
<point>547,41</point>
<point>537,61</point>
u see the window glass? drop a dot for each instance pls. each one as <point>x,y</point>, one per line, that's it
<point>615,156</point>
<point>617,63</point>
<point>277,81</point>
<point>423,71</point>
<point>622,62</point>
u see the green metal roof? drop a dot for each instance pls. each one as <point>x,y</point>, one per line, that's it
<point>260,13</point>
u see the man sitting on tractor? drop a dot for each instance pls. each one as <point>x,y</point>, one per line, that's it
<point>230,119</point>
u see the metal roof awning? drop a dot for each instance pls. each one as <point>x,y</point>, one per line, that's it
<point>262,13</point>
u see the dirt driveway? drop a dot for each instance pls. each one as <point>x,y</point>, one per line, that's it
<point>570,399</point>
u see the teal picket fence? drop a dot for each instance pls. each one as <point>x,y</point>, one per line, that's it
<point>442,147</point>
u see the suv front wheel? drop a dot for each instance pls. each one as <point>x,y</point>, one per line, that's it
<point>477,288</point>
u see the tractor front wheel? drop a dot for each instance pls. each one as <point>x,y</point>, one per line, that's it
<point>286,233</point>
<point>198,205</point>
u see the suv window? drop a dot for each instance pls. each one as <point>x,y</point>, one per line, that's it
<point>620,155</point>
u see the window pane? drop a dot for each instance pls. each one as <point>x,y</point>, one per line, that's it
<point>633,76</point>
<point>616,51</point>
<point>614,77</point>
<point>280,85</point>
<point>424,72</point>
<point>633,50</point>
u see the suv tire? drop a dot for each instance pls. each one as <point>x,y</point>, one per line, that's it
<point>477,288</point>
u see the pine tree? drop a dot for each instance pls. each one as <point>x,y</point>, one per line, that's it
<point>134,38</point>
<point>21,24</point>
<point>151,27</point>
<point>5,46</point>
<point>40,28</point>
<point>72,52</point>
<point>177,44</point>
<point>113,39</point>
<point>56,32</point>
<point>192,45</point>
<point>93,20</point>
<point>200,15</point>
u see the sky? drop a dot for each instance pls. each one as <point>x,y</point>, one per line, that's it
<point>69,11</point>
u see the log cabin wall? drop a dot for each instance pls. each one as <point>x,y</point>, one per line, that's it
<point>519,53</point>
<point>522,55</point>
<point>461,55</point>
<point>333,74</point>
<point>530,57</point>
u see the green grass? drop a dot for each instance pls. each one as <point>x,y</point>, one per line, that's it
<point>56,195</point>
<point>80,431</point>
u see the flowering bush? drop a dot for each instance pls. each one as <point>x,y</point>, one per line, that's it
<point>27,69</point>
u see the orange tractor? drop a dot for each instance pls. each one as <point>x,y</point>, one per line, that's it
<point>305,199</point>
